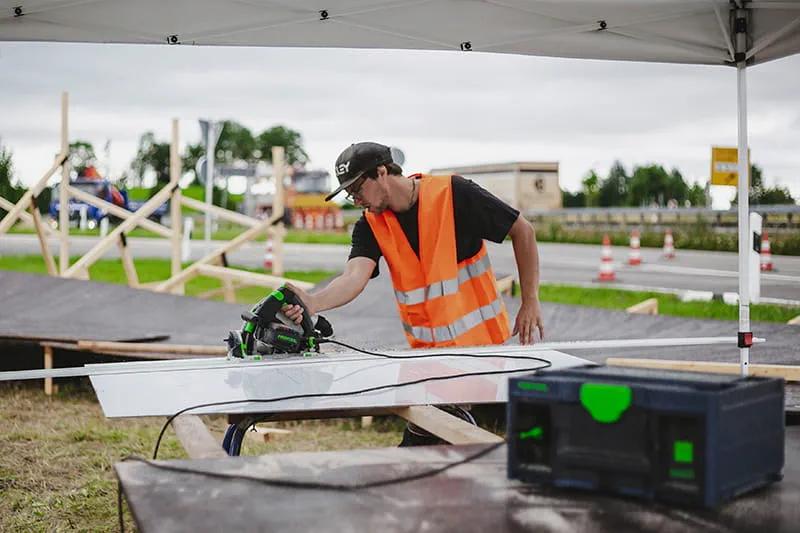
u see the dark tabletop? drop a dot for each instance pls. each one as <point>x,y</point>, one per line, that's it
<point>476,496</point>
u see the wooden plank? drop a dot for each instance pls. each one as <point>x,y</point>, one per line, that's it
<point>225,214</point>
<point>127,262</point>
<point>191,349</point>
<point>795,321</point>
<point>446,426</point>
<point>119,211</point>
<point>227,291</point>
<point>176,265</point>
<point>63,191</point>
<point>49,262</point>
<point>196,439</point>
<point>251,278</point>
<point>49,388</point>
<point>788,372</point>
<point>192,270</point>
<point>506,285</point>
<point>23,215</point>
<point>99,249</point>
<point>220,291</point>
<point>647,307</point>
<point>278,166</point>
<point>16,211</point>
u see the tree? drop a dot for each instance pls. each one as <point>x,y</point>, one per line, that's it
<point>290,139</point>
<point>697,195</point>
<point>235,143</point>
<point>81,156</point>
<point>8,190</point>
<point>591,187</point>
<point>191,156</point>
<point>151,156</point>
<point>760,194</point>
<point>613,190</point>
<point>569,199</point>
<point>649,185</point>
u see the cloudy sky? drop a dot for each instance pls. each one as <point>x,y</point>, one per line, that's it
<point>442,109</point>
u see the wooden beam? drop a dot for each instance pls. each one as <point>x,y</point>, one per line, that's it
<point>127,262</point>
<point>196,439</point>
<point>63,191</point>
<point>176,265</point>
<point>220,291</point>
<point>49,262</point>
<point>795,321</point>
<point>23,215</point>
<point>647,307</point>
<point>152,347</point>
<point>192,270</point>
<point>99,249</point>
<point>49,388</point>
<point>119,211</point>
<point>446,426</point>
<point>787,372</point>
<point>278,166</point>
<point>251,278</point>
<point>225,214</point>
<point>506,285</point>
<point>15,212</point>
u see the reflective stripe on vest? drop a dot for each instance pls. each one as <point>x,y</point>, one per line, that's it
<point>446,287</point>
<point>459,327</point>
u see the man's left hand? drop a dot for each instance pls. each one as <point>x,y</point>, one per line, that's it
<point>528,319</point>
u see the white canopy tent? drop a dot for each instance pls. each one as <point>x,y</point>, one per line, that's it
<point>737,33</point>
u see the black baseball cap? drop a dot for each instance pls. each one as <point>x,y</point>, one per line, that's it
<point>357,159</point>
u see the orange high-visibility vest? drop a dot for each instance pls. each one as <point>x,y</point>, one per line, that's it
<point>442,302</point>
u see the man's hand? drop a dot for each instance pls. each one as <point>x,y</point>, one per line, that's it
<point>295,312</point>
<point>528,319</point>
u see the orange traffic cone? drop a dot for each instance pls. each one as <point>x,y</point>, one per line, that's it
<point>766,254</point>
<point>268,256</point>
<point>634,257</point>
<point>669,246</point>
<point>606,265</point>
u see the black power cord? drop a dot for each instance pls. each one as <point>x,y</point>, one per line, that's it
<point>321,486</point>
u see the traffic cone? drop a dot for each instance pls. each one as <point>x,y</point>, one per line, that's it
<point>606,265</point>
<point>268,256</point>
<point>634,257</point>
<point>669,246</point>
<point>766,254</point>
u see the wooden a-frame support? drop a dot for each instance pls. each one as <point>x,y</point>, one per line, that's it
<point>171,192</point>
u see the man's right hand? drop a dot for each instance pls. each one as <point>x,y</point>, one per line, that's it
<point>295,312</point>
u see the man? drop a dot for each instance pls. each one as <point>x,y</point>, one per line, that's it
<point>431,230</point>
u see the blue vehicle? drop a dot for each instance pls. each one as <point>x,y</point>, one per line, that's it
<point>103,189</point>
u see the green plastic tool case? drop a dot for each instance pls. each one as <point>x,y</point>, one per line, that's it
<point>690,438</point>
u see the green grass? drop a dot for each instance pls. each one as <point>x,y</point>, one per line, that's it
<point>58,454</point>
<point>111,271</point>
<point>668,304</point>
<point>224,233</point>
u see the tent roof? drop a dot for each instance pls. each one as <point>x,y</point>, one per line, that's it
<point>675,31</point>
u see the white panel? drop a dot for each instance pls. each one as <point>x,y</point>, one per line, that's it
<point>678,31</point>
<point>135,392</point>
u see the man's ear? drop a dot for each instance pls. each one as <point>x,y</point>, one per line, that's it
<point>381,172</point>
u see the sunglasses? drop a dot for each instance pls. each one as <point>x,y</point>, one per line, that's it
<point>354,193</point>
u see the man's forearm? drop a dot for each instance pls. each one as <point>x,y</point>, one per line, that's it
<point>526,254</point>
<point>340,291</point>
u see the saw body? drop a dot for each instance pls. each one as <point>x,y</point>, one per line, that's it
<point>267,331</point>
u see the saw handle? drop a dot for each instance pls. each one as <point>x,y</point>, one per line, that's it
<point>290,298</point>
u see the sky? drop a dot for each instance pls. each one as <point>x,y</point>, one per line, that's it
<point>441,108</point>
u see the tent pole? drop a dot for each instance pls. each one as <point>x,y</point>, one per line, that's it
<point>743,193</point>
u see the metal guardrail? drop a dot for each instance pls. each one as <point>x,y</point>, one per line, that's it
<point>680,211</point>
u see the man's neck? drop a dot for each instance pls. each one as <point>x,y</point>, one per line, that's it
<point>405,192</point>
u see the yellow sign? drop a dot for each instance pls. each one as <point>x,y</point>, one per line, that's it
<point>725,165</point>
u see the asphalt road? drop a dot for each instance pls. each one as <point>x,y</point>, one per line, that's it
<point>560,263</point>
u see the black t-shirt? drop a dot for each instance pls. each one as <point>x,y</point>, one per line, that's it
<point>478,215</point>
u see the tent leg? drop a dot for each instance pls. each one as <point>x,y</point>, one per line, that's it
<point>744,209</point>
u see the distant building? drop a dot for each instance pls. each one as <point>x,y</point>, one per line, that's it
<point>521,185</point>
